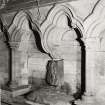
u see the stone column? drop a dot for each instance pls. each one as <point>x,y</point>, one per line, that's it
<point>18,66</point>
<point>92,46</point>
<point>18,71</point>
<point>90,72</point>
<point>12,72</point>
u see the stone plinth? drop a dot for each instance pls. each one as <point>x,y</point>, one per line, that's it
<point>55,73</point>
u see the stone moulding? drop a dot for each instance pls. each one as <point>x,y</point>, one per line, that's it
<point>20,22</point>
<point>52,25</point>
<point>19,30</point>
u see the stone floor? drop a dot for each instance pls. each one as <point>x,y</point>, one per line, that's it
<point>86,101</point>
<point>50,96</point>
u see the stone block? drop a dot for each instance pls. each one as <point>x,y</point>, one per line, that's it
<point>13,92</point>
<point>55,73</point>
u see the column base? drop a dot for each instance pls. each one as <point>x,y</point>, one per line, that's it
<point>10,92</point>
<point>86,100</point>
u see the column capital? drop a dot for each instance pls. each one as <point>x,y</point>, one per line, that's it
<point>13,45</point>
<point>92,43</point>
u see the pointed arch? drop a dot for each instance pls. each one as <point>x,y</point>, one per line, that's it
<point>20,23</point>
<point>22,29</point>
<point>95,23</point>
<point>54,19</point>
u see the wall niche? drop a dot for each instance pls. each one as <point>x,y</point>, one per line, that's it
<point>61,39</point>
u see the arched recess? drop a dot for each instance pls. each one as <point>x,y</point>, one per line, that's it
<point>25,45</point>
<point>61,39</point>
<point>54,15</point>
<point>94,38</point>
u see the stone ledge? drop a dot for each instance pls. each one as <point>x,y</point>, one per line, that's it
<point>13,92</point>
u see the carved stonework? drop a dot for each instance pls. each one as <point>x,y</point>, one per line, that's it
<point>94,27</point>
<point>59,40</point>
<point>18,29</point>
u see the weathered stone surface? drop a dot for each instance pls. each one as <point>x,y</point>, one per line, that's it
<point>55,73</point>
<point>49,95</point>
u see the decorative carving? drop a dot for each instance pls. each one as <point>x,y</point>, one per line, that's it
<point>56,31</point>
<point>21,34</point>
<point>19,38</point>
<point>19,26</point>
<point>59,40</point>
<point>94,25</point>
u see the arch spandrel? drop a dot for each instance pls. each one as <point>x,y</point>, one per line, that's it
<point>20,24</point>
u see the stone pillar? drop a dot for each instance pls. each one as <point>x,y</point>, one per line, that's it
<point>18,71</point>
<point>92,47</point>
<point>55,73</point>
<point>18,66</point>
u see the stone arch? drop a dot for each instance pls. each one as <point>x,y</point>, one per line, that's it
<point>22,29</point>
<point>52,20</point>
<point>94,27</point>
<point>95,23</point>
<point>59,39</point>
<point>23,47</point>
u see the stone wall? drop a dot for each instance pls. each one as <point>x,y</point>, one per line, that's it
<point>4,66</point>
<point>37,67</point>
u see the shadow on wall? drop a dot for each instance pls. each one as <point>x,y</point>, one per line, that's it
<point>83,58</point>
<point>81,90</point>
<point>37,37</point>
